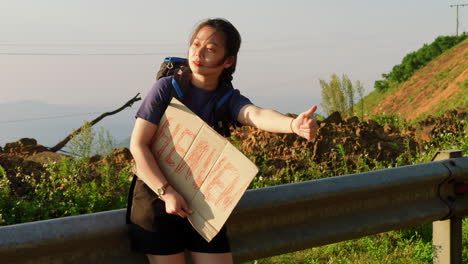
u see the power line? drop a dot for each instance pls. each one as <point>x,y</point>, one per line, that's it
<point>267,50</point>
<point>81,54</point>
<point>296,46</point>
<point>458,5</point>
<point>44,118</point>
<point>127,44</point>
<point>54,45</point>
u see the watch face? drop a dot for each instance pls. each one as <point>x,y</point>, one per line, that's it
<point>160,191</point>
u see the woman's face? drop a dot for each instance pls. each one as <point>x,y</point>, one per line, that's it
<point>207,51</point>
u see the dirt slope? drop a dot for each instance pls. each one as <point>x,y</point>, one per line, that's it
<point>439,86</point>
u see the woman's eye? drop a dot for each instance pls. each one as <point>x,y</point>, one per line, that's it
<point>211,48</point>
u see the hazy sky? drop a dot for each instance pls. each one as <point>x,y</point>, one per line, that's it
<point>106,51</point>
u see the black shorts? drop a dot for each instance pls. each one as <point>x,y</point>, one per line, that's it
<point>155,232</point>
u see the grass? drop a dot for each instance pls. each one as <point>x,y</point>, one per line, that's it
<point>413,245</point>
<point>391,247</point>
<point>372,100</point>
<point>442,105</point>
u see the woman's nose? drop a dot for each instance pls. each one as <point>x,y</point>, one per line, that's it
<point>199,52</point>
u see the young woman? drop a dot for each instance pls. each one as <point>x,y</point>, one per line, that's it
<point>159,227</point>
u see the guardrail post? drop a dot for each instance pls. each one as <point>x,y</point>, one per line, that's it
<point>447,234</point>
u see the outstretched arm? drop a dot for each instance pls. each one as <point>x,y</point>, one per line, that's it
<point>273,121</point>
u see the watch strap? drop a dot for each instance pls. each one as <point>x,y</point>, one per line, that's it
<point>162,190</point>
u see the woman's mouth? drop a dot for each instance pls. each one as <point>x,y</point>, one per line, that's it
<point>197,63</point>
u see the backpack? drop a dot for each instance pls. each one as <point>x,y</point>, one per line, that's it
<point>179,70</point>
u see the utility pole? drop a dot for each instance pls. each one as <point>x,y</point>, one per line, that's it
<point>458,5</point>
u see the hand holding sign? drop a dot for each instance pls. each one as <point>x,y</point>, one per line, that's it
<point>304,125</point>
<point>175,203</point>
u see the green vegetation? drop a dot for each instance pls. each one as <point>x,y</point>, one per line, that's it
<point>416,60</point>
<point>392,247</point>
<point>390,119</point>
<point>374,98</point>
<point>403,246</point>
<point>89,142</point>
<point>71,186</point>
<point>340,95</point>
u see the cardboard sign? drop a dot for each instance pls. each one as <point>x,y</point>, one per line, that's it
<point>209,172</point>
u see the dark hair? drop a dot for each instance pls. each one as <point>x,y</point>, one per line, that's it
<point>232,41</point>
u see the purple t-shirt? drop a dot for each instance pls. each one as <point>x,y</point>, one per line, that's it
<point>199,101</point>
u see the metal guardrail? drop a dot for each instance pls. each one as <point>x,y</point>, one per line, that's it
<point>92,238</point>
<point>291,217</point>
<point>267,221</point>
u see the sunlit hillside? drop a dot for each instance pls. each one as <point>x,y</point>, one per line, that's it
<point>439,86</point>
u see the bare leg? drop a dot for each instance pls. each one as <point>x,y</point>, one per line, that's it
<point>167,259</point>
<point>211,258</point>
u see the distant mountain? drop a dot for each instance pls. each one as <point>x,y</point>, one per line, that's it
<point>50,123</point>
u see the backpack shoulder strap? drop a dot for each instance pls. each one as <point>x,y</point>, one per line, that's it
<point>221,109</point>
<point>180,82</point>
<point>177,89</point>
<point>223,100</point>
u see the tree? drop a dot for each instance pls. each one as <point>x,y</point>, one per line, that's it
<point>340,95</point>
<point>360,91</point>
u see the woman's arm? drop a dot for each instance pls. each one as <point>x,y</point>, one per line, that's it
<point>148,169</point>
<point>273,121</point>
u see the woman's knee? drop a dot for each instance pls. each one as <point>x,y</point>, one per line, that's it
<point>167,259</point>
<point>211,258</point>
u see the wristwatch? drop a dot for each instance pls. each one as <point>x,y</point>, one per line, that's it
<point>162,190</point>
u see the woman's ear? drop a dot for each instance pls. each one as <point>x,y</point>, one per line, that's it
<point>228,62</point>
